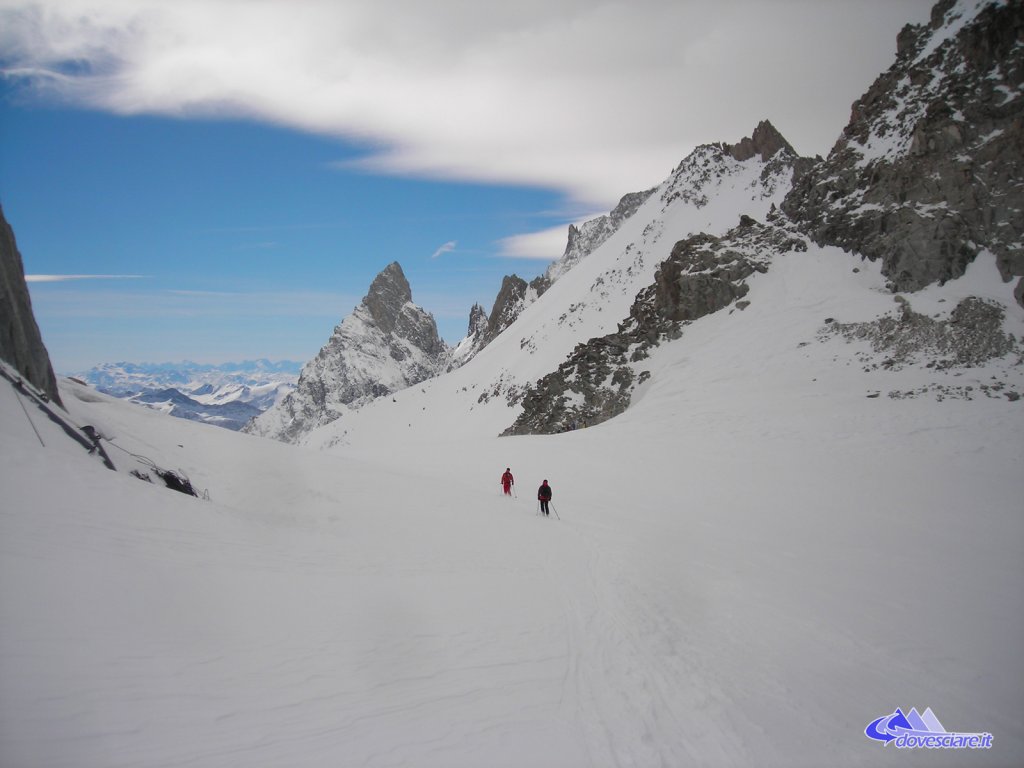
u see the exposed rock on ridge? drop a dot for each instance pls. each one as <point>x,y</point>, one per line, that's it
<point>929,173</point>
<point>702,275</point>
<point>765,141</point>
<point>385,345</point>
<point>590,235</point>
<point>21,344</point>
<point>513,297</point>
<point>516,294</point>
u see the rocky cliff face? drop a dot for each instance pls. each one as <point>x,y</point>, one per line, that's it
<point>513,297</point>
<point>929,173</point>
<point>385,345</point>
<point>21,344</point>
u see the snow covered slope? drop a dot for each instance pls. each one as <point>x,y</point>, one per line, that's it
<point>809,516</point>
<point>751,564</point>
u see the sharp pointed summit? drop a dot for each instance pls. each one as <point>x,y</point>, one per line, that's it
<point>386,344</point>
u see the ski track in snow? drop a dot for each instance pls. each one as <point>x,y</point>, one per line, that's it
<point>347,609</point>
<point>751,564</point>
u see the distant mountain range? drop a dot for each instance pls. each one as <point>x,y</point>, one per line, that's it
<point>226,395</point>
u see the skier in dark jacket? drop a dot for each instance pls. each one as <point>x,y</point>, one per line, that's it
<point>507,481</point>
<point>544,496</point>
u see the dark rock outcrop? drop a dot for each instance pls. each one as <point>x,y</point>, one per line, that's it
<point>513,297</point>
<point>702,275</point>
<point>765,141</point>
<point>929,173</point>
<point>971,336</point>
<point>21,344</point>
<point>507,305</point>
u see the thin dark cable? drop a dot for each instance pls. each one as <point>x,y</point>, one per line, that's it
<point>30,423</point>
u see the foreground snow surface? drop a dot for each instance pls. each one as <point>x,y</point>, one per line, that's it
<point>752,564</point>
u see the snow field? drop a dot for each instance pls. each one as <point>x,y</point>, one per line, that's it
<point>752,563</point>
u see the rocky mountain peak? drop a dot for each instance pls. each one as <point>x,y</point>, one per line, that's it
<point>385,345</point>
<point>764,142</point>
<point>388,292</point>
<point>477,320</point>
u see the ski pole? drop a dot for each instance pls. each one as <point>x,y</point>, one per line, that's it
<point>554,510</point>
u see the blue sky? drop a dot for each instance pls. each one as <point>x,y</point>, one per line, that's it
<point>218,181</point>
<point>231,239</point>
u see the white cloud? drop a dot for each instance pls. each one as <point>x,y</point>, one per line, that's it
<point>65,278</point>
<point>547,245</point>
<point>446,248</point>
<point>593,99</point>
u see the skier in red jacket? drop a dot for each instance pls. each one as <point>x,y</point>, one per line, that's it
<point>507,481</point>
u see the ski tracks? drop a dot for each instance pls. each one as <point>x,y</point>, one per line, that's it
<point>637,688</point>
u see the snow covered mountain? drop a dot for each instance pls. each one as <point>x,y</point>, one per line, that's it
<point>708,192</point>
<point>226,395</point>
<point>794,508</point>
<point>385,345</point>
<point>927,175</point>
<point>516,294</point>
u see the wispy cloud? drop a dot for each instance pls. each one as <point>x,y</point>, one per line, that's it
<point>548,244</point>
<point>446,248</point>
<point>590,99</point>
<point>66,278</point>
